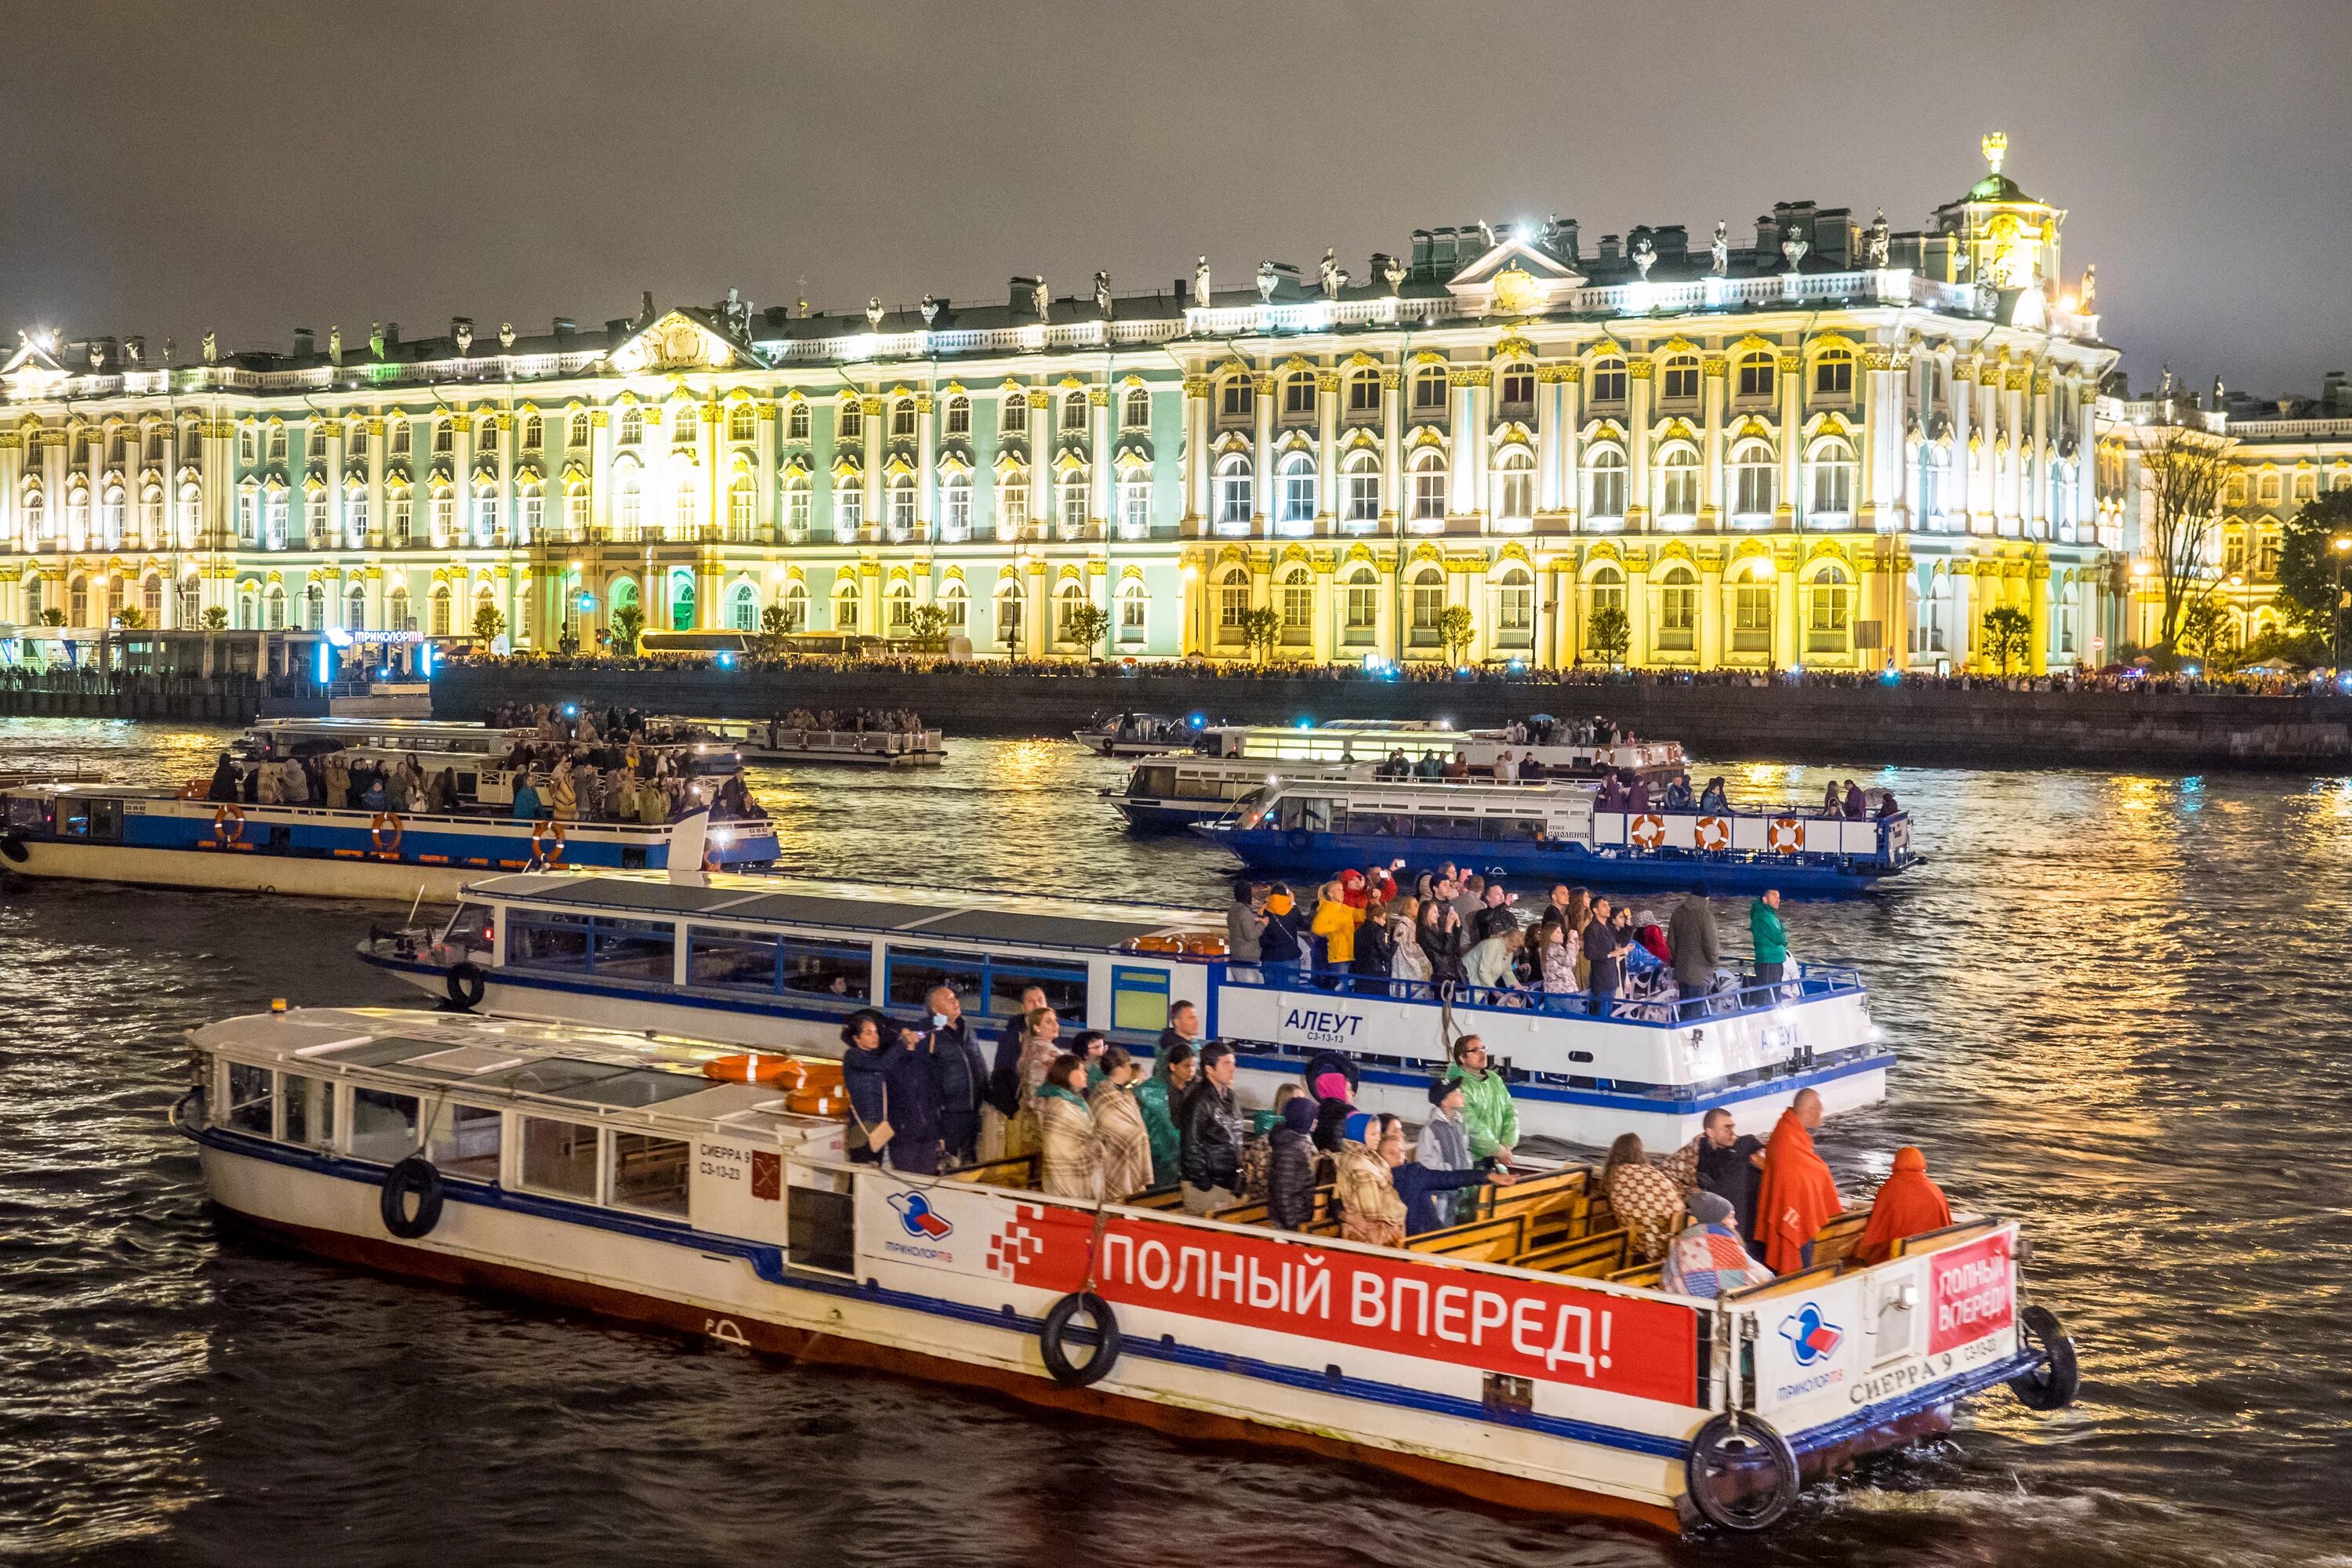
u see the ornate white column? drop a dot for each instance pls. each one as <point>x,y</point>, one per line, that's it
<point>1098,469</point>
<point>1262,487</point>
<point>1392,451</point>
<point>1962,502</point>
<point>1198,496</point>
<point>926,471</point>
<point>1548,438</point>
<point>1714,501</point>
<point>878,451</point>
<point>763,480</point>
<point>1327,452</point>
<point>1571,447</point>
<point>1791,512</point>
<point>1464,441</point>
<point>2037,473</point>
<point>331,429</point>
<point>599,477</point>
<point>1041,467</point>
<point>1639,369</point>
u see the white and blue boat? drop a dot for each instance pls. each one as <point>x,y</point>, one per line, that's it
<point>1557,833</point>
<point>776,963</point>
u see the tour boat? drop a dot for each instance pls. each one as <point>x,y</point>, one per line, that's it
<point>775,741</point>
<point>776,963</point>
<point>475,755</point>
<point>1557,833</point>
<point>115,832</point>
<point>1233,763</point>
<point>1138,735</point>
<point>1520,1357</point>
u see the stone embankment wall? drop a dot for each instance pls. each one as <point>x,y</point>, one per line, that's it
<point>1929,726</point>
<point>210,700</point>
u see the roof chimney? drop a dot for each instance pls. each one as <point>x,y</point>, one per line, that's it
<point>306,342</point>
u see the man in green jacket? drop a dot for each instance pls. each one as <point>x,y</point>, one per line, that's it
<point>1159,1098</point>
<point>1770,937</point>
<point>1487,1113</point>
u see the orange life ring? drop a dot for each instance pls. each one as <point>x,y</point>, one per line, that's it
<point>1715,832</point>
<point>1786,837</point>
<point>385,832</point>
<point>811,1102</point>
<point>228,823</point>
<point>754,1068</point>
<point>1647,830</point>
<point>543,835</point>
<point>196,789</point>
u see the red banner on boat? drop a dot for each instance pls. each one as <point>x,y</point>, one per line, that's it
<point>1559,1331</point>
<point>1972,1289</point>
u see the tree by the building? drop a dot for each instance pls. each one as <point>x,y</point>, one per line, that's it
<point>2182,475</point>
<point>1260,629</point>
<point>215,618</point>
<point>488,623</point>
<point>1085,625</point>
<point>2208,632</point>
<point>628,622</point>
<point>2313,574</point>
<point>130,618</point>
<point>1458,630</point>
<point>1609,633</point>
<point>2007,635</point>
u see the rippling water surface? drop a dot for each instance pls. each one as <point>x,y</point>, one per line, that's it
<point>2121,1004</point>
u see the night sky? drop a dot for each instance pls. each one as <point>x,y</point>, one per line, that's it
<point>250,168</point>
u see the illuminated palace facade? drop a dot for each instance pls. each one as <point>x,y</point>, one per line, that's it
<point>1833,444</point>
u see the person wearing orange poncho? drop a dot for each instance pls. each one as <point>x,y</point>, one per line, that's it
<point>1797,1192</point>
<point>1908,1205</point>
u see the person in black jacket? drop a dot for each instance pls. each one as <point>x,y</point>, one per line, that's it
<point>1004,1073</point>
<point>1278,945</point>
<point>223,784</point>
<point>1209,1158</point>
<point>1730,1165</point>
<point>960,1075</point>
<point>1603,944</point>
<point>894,1101</point>
<point>1290,1168</point>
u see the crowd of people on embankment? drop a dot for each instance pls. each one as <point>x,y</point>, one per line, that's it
<point>1723,1211</point>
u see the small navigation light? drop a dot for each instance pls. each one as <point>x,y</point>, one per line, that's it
<point>726,661</point>
<point>572,711</point>
<point>1888,677</point>
<point>1516,666</point>
<point>1306,721</point>
<point>1197,720</point>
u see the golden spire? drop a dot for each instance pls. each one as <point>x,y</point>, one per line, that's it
<point>1996,148</point>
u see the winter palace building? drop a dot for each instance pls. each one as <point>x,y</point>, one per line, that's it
<point>1828,444</point>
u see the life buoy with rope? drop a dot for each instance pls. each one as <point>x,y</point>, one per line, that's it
<point>228,823</point>
<point>1715,833</point>
<point>1647,831</point>
<point>385,832</point>
<point>1051,1337</point>
<point>1785,836</point>
<point>547,841</point>
<point>2052,1382</point>
<point>416,1177</point>
<point>466,984</point>
<point>1742,1475</point>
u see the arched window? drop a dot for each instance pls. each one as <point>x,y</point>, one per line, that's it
<point>743,423</point>
<point>796,421</point>
<point>1359,608</point>
<point>534,432</point>
<point>850,423</point>
<point>1429,392</point>
<point>277,443</point>
<point>1068,600</point>
<point>1678,609</point>
<point>796,606</point>
<point>486,434</point>
<point>1233,492</point>
<point>1515,388</point>
<point>684,427</point>
<point>1606,590</point>
<point>1297,493</point>
<point>1298,397</point>
<point>740,509</point>
<point>248,608</point>
<point>1834,373</point>
<point>1233,604</point>
<point>1932,488</point>
<point>1604,484</point>
<point>797,505</point>
<point>2267,492</point>
<point>1609,380</point>
<point>314,519</point>
<point>1016,411</point>
<point>2062,500</point>
<point>1829,604</point>
<point>955,498</point>
<point>1135,409</point>
<point>1428,486</point>
<point>355,441</point>
<point>355,516</point>
<point>1135,503</point>
<point>959,420</point>
<point>397,616</point>
<point>956,606</point>
<point>314,608</point>
<point>151,517</point>
<point>1678,484</point>
<point>442,611</point>
<point>1011,610</point>
<point>898,608</point>
<point>1678,378</point>
<point>633,426</point>
<point>743,608</point>
<point>1071,502</point>
<point>1363,395</point>
<point>77,514</point>
<point>248,451</point>
<point>192,601</point>
<point>848,503</point>
<point>1362,472</point>
<point>575,432</point>
<point>277,510</point>
<point>844,605</point>
<point>685,504</point>
<point>1427,589</point>
<point>1515,486</point>
<point>902,505</point>
<point>77,602</point>
<point>1134,610</point>
<point>1832,466</point>
<point>1755,484</point>
<point>483,601</point>
<point>1074,410</point>
<point>275,601</point>
<point>629,507</point>
<point>1755,377</point>
<point>1515,608</point>
<point>1012,503</point>
<point>2306,484</point>
<point>1236,400</point>
<point>902,419</point>
<point>151,599</point>
<point>1295,600</point>
<point>355,608</point>
<point>113,517</point>
<point>38,525</point>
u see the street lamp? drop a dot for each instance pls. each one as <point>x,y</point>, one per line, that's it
<point>2341,545</point>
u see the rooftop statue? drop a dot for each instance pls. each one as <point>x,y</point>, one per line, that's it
<point>1335,277</point>
<point>1720,249</point>
<point>1201,283</point>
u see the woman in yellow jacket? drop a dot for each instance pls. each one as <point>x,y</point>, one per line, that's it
<point>1335,920</point>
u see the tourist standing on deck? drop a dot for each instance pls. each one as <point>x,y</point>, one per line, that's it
<point>1797,1194</point>
<point>1290,1166</point>
<point>1909,1204</point>
<point>526,801</point>
<point>1769,937</point>
<point>1004,1076</point>
<point>225,781</point>
<point>1281,945</point>
<point>1119,1130</point>
<point>1183,1028</point>
<point>1407,961</point>
<point>1487,1113</point>
<point>1697,949</point>
<point>1041,1043</point>
<point>1245,925</point>
<point>1209,1124</point>
<point>1730,1165</point>
<point>1371,1211</point>
<point>960,1075</point>
<point>1071,1164</point>
<point>1604,968</point>
<point>1158,1098</point>
<point>893,1102</point>
<point>1335,920</point>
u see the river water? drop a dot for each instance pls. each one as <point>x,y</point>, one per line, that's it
<point>2121,1004</point>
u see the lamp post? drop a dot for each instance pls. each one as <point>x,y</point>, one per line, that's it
<point>2341,545</point>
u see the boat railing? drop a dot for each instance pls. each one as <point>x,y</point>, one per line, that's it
<point>1667,1008</point>
<point>467,819</point>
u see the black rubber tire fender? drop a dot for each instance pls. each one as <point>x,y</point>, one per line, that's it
<point>1746,1445</point>
<point>1296,840</point>
<point>414,1176</point>
<point>14,848</point>
<point>466,984</point>
<point>2052,1382</point>
<point>1108,1343</point>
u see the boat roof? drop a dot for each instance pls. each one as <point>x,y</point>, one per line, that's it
<point>1440,793</point>
<point>591,1074</point>
<point>737,898</point>
<point>420,727</point>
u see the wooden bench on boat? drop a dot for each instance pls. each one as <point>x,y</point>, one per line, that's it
<point>1928,1240</point>
<point>1480,1241</point>
<point>1835,1241</point>
<point>1594,1256</point>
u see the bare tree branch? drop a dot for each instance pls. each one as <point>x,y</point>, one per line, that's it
<point>2182,476</point>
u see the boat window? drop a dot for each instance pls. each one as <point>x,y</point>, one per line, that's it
<point>634,949</point>
<point>310,1111</point>
<point>106,820</point>
<point>472,929</point>
<point>537,940</point>
<point>1513,828</point>
<point>649,1172</point>
<point>1138,998</point>
<point>466,1144</point>
<point>1152,781</point>
<point>73,817</point>
<point>822,969</point>
<point>1065,987</point>
<point>559,1157</point>
<point>911,975</point>
<point>1311,813</point>
<point>28,812</point>
<point>738,961</point>
<point>250,1107</point>
<point>383,1125</point>
<point>1374,824</point>
<point>1446,826</point>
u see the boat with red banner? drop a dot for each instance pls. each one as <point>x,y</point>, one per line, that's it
<point>1519,1356</point>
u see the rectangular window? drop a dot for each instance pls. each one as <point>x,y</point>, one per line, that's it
<point>731,960</point>
<point>1833,376</point>
<point>1609,381</point>
<point>634,950</point>
<point>559,1157</point>
<point>848,508</point>
<point>1299,396</point>
<point>1139,999</point>
<point>310,1113</point>
<point>537,940</point>
<point>1519,388</point>
<point>1134,507</point>
<point>828,969</point>
<point>1364,394</point>
<point>1751,618</point>
<point>465,1142</point>
<point>1363,604</point>
<point>383,1125</point>
<point>252,1106</point>
<point>649,1172</point>
<point>1364,496</point>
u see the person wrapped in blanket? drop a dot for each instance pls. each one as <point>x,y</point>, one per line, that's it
<point>1707,1258</point>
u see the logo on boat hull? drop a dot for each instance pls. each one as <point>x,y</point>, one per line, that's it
<point>1812,1339</point>
<point>917,1218</point>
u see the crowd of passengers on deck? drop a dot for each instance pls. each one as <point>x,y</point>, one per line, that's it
<point>1451,935</point>
<point>1726,1211</point>
<point>558,780</point>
